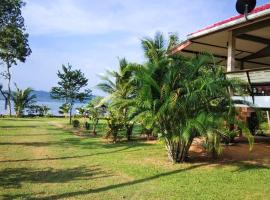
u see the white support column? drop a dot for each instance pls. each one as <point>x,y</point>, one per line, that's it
<point>231,52</point>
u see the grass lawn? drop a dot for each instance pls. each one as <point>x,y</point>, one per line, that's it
<point>39,160</point>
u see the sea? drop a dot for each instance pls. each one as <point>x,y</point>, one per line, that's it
<point>53,105</point>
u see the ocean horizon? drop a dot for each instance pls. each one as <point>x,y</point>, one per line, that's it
<point>53,105</point>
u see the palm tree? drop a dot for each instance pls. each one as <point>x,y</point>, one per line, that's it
<point>22,99</point>
<point>64,109</point>
<point>183,98</point>
<point>120,93</point>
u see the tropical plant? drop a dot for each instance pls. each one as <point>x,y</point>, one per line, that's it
<point>95,111</point>
<point>22,99</point>
<point>70,85</point>
<point>76,123</point>
<point>14,45</point>
<point>40,110</point>
<point>114,124</point>
<point>64,109</point>
<point>121,93</point>
<point>183,98</point>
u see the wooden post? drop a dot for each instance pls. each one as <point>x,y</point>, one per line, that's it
<point>231,52</point>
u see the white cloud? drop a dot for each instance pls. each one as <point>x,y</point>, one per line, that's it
<point>102,17</point>
<point>114,26</point>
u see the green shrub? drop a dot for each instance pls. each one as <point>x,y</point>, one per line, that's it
<point>76,123</point>
<point>87,125</point>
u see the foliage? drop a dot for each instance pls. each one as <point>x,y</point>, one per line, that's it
<point>76,123</point>
<point>95,112</point>
<point>64,109</point>
<point>87,125</point>
<point>120,94</point>
<point>70,84</point>
<point>39,110</point>
<point>178,98</point>
<point>114,124</point>
<point>14,45</point>
<point>22,99</point>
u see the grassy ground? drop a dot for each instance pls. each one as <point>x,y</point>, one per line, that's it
<point>38,160</point>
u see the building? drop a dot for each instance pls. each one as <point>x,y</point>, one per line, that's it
<point>242,45</point>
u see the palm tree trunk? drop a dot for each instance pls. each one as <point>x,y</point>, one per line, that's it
<point>178,151</point>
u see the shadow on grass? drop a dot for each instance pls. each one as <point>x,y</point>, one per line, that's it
<point>69,157</point>
<point>22,119</point>
<point>17,127</point>
<point>120,185</point>
<point>244,167</point>
<point>15,177</point>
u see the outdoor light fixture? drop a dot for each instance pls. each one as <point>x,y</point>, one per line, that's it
<point>245,6</point>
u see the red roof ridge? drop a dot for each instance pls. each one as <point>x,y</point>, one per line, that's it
<point>256,10</point>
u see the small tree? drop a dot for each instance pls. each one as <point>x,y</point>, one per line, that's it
<point>70,84</point>
<point>95,112</point>
<point>14,45</point>
<point>64,109</point>
<point>22,99</point>
<point>40,110</point>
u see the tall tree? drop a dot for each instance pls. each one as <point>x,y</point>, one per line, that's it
<point>70,85</point>
<point>14,45</point>
<point>22,99</point>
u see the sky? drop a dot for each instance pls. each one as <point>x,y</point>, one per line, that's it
<point>92,35</point>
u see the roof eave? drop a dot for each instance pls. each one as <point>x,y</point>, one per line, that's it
<point>230,24</point>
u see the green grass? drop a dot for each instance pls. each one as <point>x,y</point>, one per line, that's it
<point>38,160</point>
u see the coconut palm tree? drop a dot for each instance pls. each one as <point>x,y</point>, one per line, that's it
<point>22,99</point>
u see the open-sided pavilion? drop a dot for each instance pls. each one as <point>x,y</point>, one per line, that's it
<point>242,45</point>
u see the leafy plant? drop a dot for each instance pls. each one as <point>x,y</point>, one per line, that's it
<point>22,99</point>
<point>64,109</point>
<point>95,112</point>
<point>70,84</point>
<point>76,123</point>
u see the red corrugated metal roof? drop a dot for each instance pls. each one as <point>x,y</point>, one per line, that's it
<point>256,10</point>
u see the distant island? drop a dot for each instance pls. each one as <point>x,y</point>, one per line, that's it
<point>44,96</point>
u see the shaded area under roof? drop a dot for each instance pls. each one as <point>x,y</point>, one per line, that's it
<point>252,40</point>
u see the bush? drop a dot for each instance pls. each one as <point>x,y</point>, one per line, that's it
<point>87,125</point>
<point>76,123</point>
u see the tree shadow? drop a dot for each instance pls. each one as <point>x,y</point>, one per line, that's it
<point>17,127</point>
<point>15,196</point>
<point>69,157</point>
<point>22,119</point>
<point>120,185</point>
<point>15,177</point>
<point>243,167</point>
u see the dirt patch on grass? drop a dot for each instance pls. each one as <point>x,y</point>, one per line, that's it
<point>238,151</point>
<point>80,132</point>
